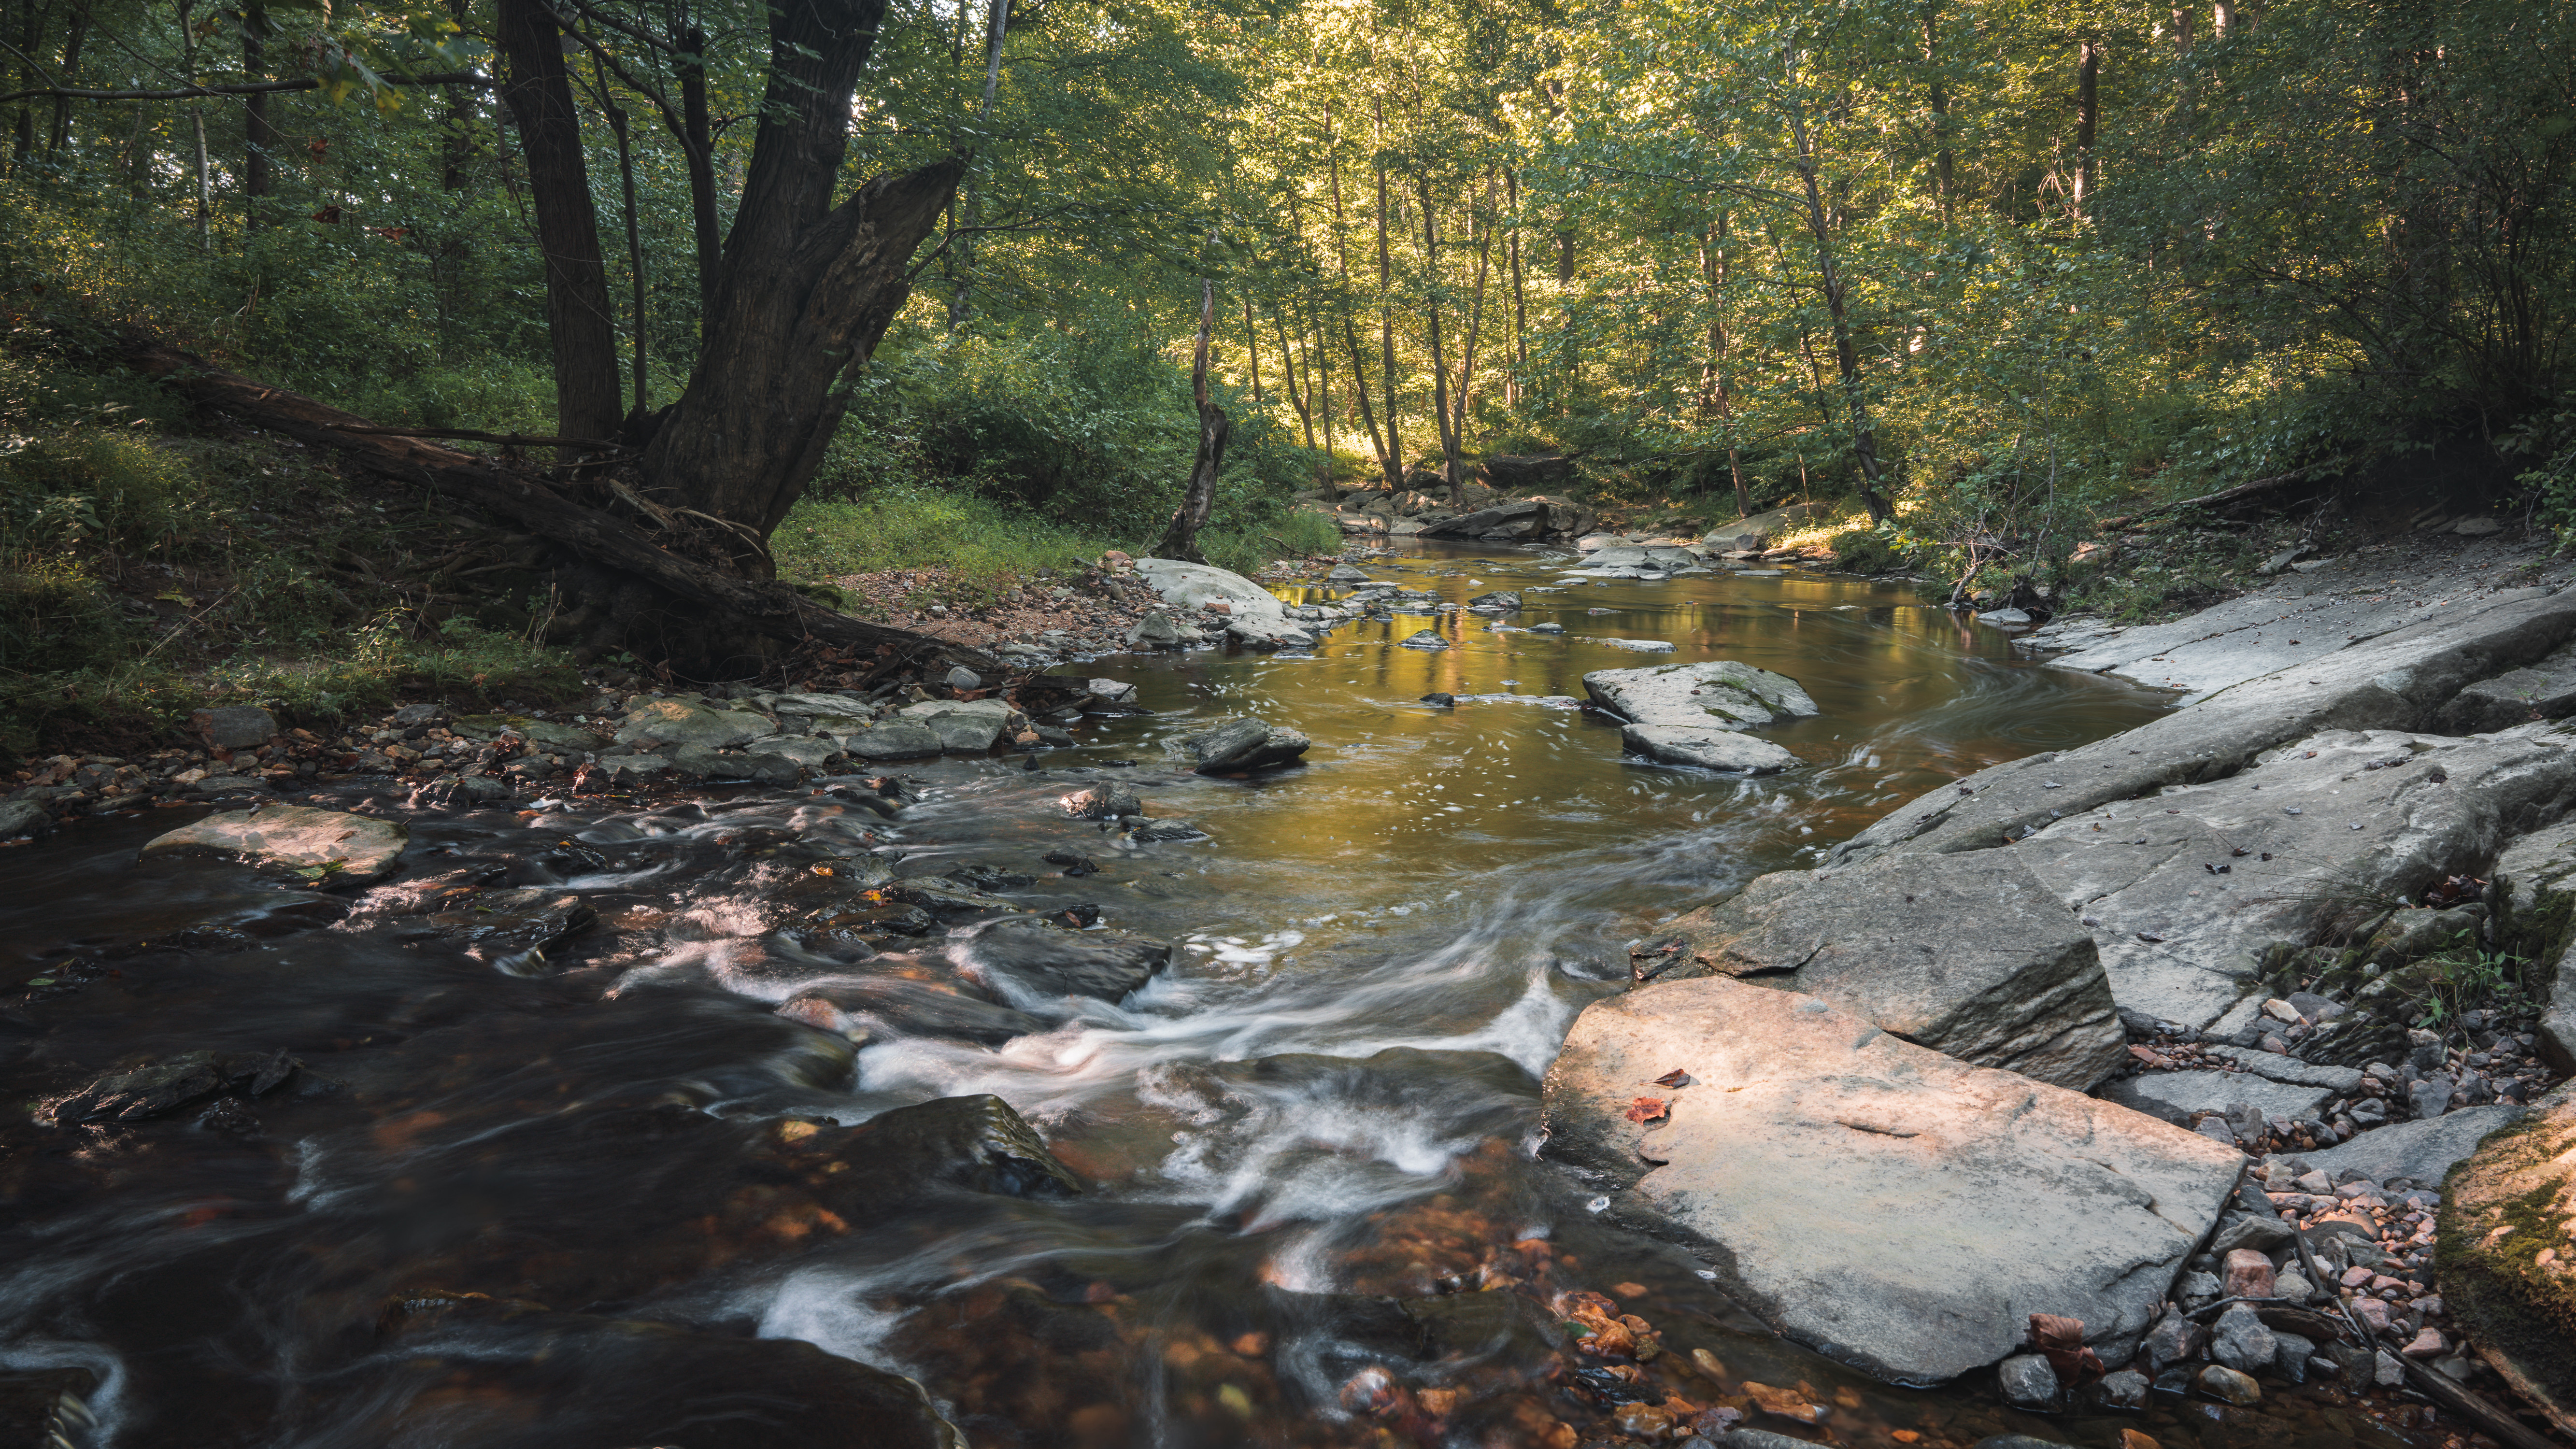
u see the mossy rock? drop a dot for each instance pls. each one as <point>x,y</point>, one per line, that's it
<point>2502,1208</point>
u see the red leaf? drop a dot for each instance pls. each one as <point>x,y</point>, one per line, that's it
<point>1649,1109</point>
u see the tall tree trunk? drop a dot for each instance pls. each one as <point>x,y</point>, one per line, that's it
<point>1715,267</point>
<point>1846,354</point>
<point>1475,331</point>
<point>1299,394</point>
<point>31,22</point>
<point>696,135</point>
<point>2088,114</point>
<point>807,290</point>
<point>997,17</point>
<point>197,119</point>
<point>1181,538</point>
<point>1386,322</point>
<point>634,232</point>
<point>2182,30</point>
<point>1252,346</point>
<point>538,91</point>
<point>1350,331</point>
<point>61,133</point>
<point>1439,364</point>
<point>259,136</point>
<point>1944,165</point>
<point>1520,308</point>
<point>1319,366</point>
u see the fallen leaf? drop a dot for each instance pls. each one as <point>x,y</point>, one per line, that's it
<point>1649,1109</point>
<point>2060,1340</point>
<point>1783,1403</point>
<point>1674,1078</point>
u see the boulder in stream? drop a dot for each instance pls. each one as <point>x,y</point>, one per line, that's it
<point>1894,1207</point>
<point>1033,961</point>
<point>674,720</point>
<point>324,845</point>
<point>1253,615</point>
<point>1693,714</point>
<point>1240,745</point>
<point>1969,955</point>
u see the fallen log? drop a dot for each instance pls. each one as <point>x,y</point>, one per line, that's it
<point>2224,496</point>
<point>591,535</point>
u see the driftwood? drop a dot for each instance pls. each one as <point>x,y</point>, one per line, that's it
<point>597,538</point>
<point>2224,496</point>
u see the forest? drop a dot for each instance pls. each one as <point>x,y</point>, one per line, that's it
<point>855,284</point>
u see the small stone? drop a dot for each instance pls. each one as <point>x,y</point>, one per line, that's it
<point>2249,1275</point>
<point>2295,1352</point>
<point>2428,1343</point>
<point>2027,1382</point>
<point>234,726</point>
<point>962,677</point>
<point>2372,1312</point>
<point>23,817</point>
<point>2173,1339</point>
<point>2199,1286</point>
<point>2430,1097</point>
<point>2476,527</point>
<point>2387,1371</point>
<point>2281,1011</point>
<point>2229,1386</point>
<point>2292,1284</point>
<point>2240,1341</point>
<point>1423,639</point>
<point>2126,1389</point>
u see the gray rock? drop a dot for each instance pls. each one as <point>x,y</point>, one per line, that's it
<point>546,734</point>
<point>895,740</point>
<point>1965,954</point>
<point>2027,1382</point>
<point>1550,627</point>
<point>1345,574</point>
<point>1112,691</point>
<point>1423,639</point>
<point>1719,692</point>
<point>2178,1097</point>
<point>962,677</point>
<point>234,726</point>
<point>323,844</point>
<point>1763,1439</point>
<point>2275,1067</point>
<point>418,714</point>
<point>658,724</point>
<point>2198,1287</point>
<point>2240,1341</point>
<point>2293,1353</point>
<point>1253,614</point>
<point>962,733</point>
<point>1157,631</point>
<point>2184,944</point>
<point>2018,1441</point>
<point>1244,744</point>
<point>1709,749</point>
<point>1757,531</point>
<point>1498,599</point>
<point>1102,802</point>
<point>2262,1231</point>
<point>2420,1151</point>
<point>701,762</point>
<point>2430,1096</point>
<point>2386,1371</point>
<point>23,817</point>
<point>2173,1339</point>
<point>1164,830</point>
<point>1030,962</point>
<point>810,753</point>
<point>2229,1385</point>
<point>1831,1173</point>
<point>222,787</point>
<point>633,769</point>
<point>2476,527</point>
<point>2126,1389</point>
<point>2011,617</point>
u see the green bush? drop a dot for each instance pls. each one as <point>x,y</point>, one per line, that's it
<point>1867,551</point>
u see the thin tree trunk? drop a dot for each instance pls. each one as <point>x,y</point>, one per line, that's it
<point>259,136</point>
<point>634,234</point>
<point>1386,322</point>
<point>997,16</point>
<point>1846,354</point>
<point>2182,30</point>
<point>1944,165</point>
<point>197,119</point>
<point>1181,538</point>
<point>1299,394</point>
<point>1319,366</point>
<point>538,91</point>
<point>1715,267</point>
<point>1252,346</point>
<point>1520,308</point>
<point>1439,364</point>
<point>30,24</point>
<point>696,136</point>
<point>1350,331</point>
<point>61,133</point>
<point>2088,75</point>
<point>1475,325</point>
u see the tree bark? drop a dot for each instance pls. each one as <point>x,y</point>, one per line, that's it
<point>1386,326</point>
<point>1350,331</point>
<point>61,134</point>
<point>259,137</point>
<point>1944,165</point>
<point>696,135</point>
<point>1181,538</point>
<point>808,287</point>
<point>634,230</point>
<point>1846,354</point>
<point>997,19</point>
<point>2088,114</point>
<point>538,91</point>
<point>1520,308</point>
<point>704,612</point>
<point>1721,389</point>
<point>1439,364</point>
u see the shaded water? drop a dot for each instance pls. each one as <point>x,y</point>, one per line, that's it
<point>1306,1147</point>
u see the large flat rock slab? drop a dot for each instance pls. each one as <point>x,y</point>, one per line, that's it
<point>1693,714</point>
<point>1882,1202</point>
<point>327,845</point>
<point>2395,680</point>
<point>1971,955</point>
<point>2188,887</point>
<point>1251,613</point>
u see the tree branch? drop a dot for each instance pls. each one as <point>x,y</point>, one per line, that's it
<point>248,88</point>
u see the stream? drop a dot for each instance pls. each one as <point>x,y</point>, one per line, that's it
<point>574,1201</point>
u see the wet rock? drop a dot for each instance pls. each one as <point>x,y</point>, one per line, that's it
<point>1157,631</point>
<point>1550,627</point>
<point>2027,1382</point>
<point>2172,1339</point>
<point>2230,1386</point>
<point>667,723</point>
<point>234,726</point>
<point>1692,713</point>
<point>1965,954</point>
<point>1498,599</point>
<point>45,1406</point>
<point>2272,1066</point>
<point>1423,639</point>
<point>2126,1389</point>
<point>1707,749</point>
<point>1829,1173</point>
<point>322,845</point>
<point>507,926</point>
<point>2420,1151</point>
<point>158,1088</point>
<point>1101,802</point>
<point>976,1143</point>
<point>811,754</point>
<point>2239,1339</point>
<point>897,740</point>
<point>1163,831</point>
<point>1035,960</point>
<point>902,1006</point>
<point>2508,1231</point>
<point>23,817</point>
<point>1244,744</point>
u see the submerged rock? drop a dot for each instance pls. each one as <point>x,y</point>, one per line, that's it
<point>1852,1188</point>
<point>1968,955</point>
<point>325,845</point>
<point>1245,744</point>
<point>658,724</point>
<point>1037,961</point>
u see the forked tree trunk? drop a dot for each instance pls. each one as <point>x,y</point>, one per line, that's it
<point>538,91</point>
<point>808,289</point>
<point>1181,539</point>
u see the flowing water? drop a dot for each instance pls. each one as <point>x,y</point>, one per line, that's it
<point>1304,1148</point>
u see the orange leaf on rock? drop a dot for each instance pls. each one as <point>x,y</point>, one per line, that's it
<point>1784,1403</point>
<point>1674,1078</point>
<point>1648,1109</point>
<point>2060,1340</point>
